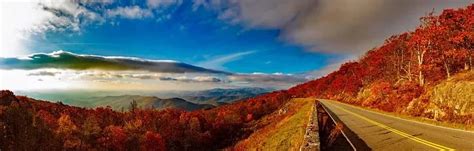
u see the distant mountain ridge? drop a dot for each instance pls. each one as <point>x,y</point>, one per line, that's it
<point>187,101</point>
<point>221,96</point>
<point>91,99</point>
<point>146,102</point>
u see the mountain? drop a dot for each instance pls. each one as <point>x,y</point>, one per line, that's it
<point>220,96</point>
<point>91,99</point>
<point>68,60</point>
<point>197,99</point>
<point>145,102</point>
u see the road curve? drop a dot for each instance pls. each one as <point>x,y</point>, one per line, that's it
<point>385,132</point>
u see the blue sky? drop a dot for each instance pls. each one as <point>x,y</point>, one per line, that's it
<point>194,36</point>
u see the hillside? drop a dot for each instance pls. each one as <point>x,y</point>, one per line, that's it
<point>282,130</point>
<point>29,123</point>
<point>426,72</point>
<point>122,102</point>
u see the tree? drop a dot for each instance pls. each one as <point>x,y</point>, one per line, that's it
<point>133,106</point>
<point>153,142</point>
<point>68,132</point>
<point>114,138</point>
<point>420,45</point>
<point>17,132</point>
<point>400,57</point>
<point>90,131</point>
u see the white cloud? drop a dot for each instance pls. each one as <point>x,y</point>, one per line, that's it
<point>207,79</point>
<point>162,3</point>
<point>129,12</point>
<point>21,19</point>
<point>14,28</point>
<point>100,2</point>
<point>43,73</point>
<point>276,80</point>
<point>218,62</point>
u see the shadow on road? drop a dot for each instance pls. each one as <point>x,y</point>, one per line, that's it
<point>334,135</point>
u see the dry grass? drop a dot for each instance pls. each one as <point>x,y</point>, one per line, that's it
<point>282,130</point>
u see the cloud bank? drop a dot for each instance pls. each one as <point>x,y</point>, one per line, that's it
<point>66,79</point>
<point>66,70</point>
<point>68,60</point>
<point>342,26</point>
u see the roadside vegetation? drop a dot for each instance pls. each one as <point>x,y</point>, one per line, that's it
<point>281,130</point>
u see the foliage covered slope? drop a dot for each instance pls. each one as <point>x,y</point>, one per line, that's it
<point>27,123</point>
<point>414,73</point>
<point>282,130</point>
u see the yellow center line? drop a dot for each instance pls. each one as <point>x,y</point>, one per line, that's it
<point>414,138</point>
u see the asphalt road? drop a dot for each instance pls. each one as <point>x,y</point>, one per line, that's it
<point>385,132</point>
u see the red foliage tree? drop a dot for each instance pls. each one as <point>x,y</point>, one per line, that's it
<point>153,142</point>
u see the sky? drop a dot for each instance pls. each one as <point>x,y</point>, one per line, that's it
<point>264,43</point>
